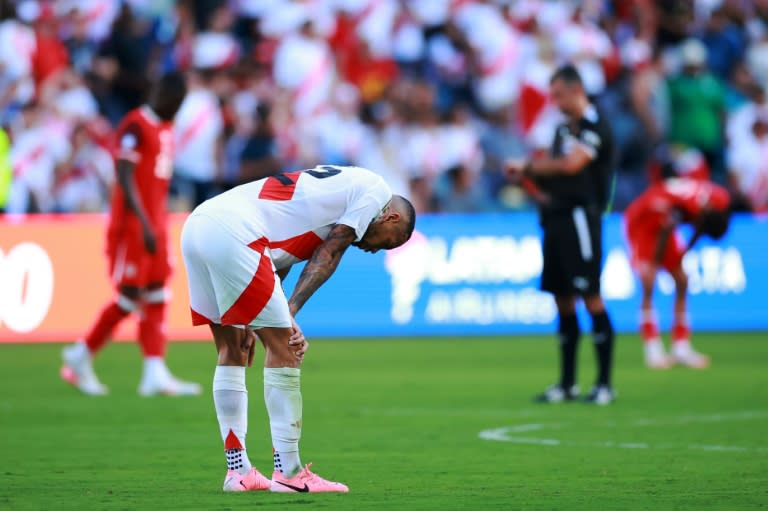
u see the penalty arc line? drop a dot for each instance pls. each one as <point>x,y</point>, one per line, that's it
<point>511,434</point>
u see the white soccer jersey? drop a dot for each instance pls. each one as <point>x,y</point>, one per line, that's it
<point>295,211</point>
<point>233,243</point>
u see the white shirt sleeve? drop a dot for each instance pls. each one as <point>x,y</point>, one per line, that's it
<point>738,157</point>
<point>366,206</point>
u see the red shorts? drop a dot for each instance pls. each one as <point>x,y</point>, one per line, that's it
<point>643,239</point>
<point>131,265</point>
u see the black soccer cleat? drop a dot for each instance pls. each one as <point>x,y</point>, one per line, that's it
<point>600,395</point>
<point>557,394</point>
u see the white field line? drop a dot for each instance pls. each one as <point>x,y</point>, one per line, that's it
<point>512,434</point>
<point>503,435</point>
<point>715,417</point>
<point>450,412</point>
<point>539,411</point>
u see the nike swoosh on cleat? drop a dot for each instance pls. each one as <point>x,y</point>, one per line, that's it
<point>295,488</point>
<point>243,484</point>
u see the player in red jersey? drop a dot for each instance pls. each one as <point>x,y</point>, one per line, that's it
<point>137,245</point>
<point>650,227</point>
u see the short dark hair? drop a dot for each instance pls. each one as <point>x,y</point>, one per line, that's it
<point>206,74</point>
<point>410,215</point>
<point>167,94</point>
<point>568,74</point>
<point>172,82</point>
<point>714,222</point>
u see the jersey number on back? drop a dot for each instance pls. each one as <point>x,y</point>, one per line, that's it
<point>282,186</point>
<point>685,189</point>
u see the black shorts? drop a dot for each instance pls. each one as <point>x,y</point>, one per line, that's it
<point>572,251</point>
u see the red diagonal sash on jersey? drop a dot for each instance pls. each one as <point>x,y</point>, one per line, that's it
<point>280,187</point>
<point>256,295</point>
<point>301,247</point>
<point>21,167</point>
<point>197,123</point>
<point>198,319</point>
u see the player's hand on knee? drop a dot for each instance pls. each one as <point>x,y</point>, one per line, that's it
<point>298,341</point>
<point>302,349</point>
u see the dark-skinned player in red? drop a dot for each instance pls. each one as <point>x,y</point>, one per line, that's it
<point>137,246</point>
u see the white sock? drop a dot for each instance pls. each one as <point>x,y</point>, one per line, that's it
<point>654,349</point>
<point>155,368</point>
<point>682,348</point>
<point>79,351</point>
<point>230,396</point>
<point>282,395</point>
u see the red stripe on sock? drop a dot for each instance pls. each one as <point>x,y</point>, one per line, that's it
<point>680,332</point>
<point>649,330</point>
<point>232,442</point>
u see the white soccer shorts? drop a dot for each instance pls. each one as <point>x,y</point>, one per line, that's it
<point>231,282</point>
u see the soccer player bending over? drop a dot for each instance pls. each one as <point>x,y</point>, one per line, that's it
<point>237,248</point>
<point>653,242</point>
<point>137,246</point>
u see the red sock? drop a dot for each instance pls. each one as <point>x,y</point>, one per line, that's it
<point>681,332</point>
<point>649,331</point>
<point>152,330</point>
<point>102,329</point>
<point>649,328</point>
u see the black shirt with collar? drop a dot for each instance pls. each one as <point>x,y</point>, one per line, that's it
<point>590,187</point>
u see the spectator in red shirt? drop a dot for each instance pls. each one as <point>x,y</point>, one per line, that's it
<point>50,54</point>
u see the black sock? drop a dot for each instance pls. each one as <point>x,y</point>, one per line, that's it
<point>569,342</point>
<point>602,331</point>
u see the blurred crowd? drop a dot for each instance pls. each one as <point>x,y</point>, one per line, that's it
<point>432,94</point>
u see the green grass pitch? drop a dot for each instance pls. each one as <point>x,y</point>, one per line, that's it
<point>400,422</point>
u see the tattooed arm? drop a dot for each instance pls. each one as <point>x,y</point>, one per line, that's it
<point>321,266</point>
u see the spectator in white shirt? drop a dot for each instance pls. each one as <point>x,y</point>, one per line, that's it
<point>304,66</point>
<point>338,133</point>
<point>741,121</point>
<point>84,182</point>
<point>382,148</point>
<point>38,150</point>
<point>497,51</point>
<point>17,45</point>
<point>748,167</point>
<point>585,44</point>
<point>198,134</point>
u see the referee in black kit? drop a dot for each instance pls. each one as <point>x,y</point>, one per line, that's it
<point>572,188</point>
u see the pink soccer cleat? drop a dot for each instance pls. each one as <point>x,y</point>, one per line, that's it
<point>78,371</point>
<point>682,350</point>
<point>252,481</point>
<point>157,380</point>
<point>684,355</point>
<point>655,356</point>
<point>305,482</point>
